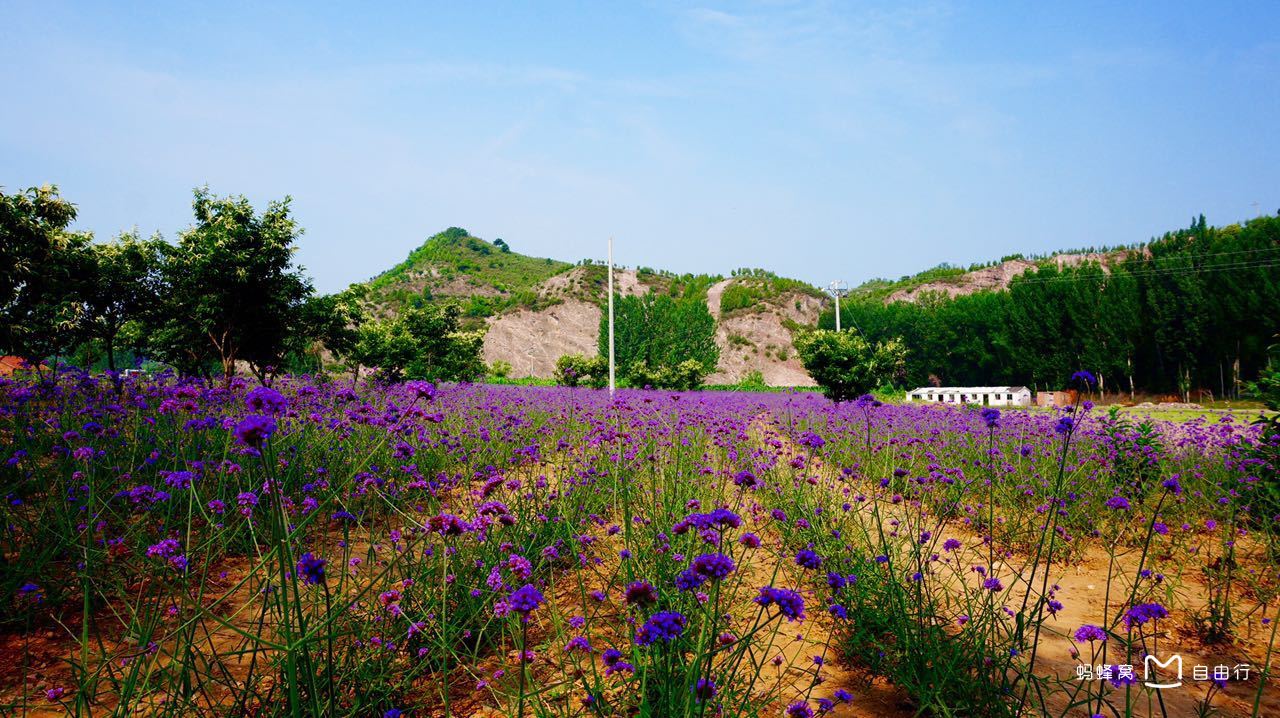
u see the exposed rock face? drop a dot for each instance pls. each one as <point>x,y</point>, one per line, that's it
<point>532,341</point>
<point>576,282</point>
<point>998,276</point>
<point>754,339</point>
<point>757,339</point>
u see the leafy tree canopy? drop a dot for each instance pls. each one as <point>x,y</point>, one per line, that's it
<point>42,272</point>
<point>421,343</point>
<point>657,334</point>
<point>233,291</point>
<point>846,365</point>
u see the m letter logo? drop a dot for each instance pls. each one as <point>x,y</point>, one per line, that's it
<point>1151,680</point>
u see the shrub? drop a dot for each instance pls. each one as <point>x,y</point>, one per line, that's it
<point>500,369</point>
<point>579,370</point>
<point>846,365</point>
<point>753,381</point>
<point>685,376</point>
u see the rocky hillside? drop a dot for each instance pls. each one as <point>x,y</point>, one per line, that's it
<point>955,281</point>
<point>565,321</point>
<point>486,277</point>
<point>755,317</point>
<point>537,310</point>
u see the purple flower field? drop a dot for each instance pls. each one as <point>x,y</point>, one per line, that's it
<point>315,548</point>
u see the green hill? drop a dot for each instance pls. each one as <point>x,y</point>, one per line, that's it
<point>486,277</point>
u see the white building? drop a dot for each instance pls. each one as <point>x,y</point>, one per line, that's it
<point>984,395</point>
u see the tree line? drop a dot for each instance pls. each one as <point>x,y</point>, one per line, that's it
<point>227,295</point>
<point>1194,311</point>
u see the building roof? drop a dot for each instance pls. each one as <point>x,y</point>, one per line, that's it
<point>969,390</point>
<point>11,364</point>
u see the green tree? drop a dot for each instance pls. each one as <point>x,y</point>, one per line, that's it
<point>846,365</point>
<point>1176,307</point>
<point>233,288</point>
<point>1118,330</point>
<point>42,271</point>
<point>420,343</point>
<point>1267,387</point>
<point>329,322</point>
<point>124,285</point>
<point>657,333</point>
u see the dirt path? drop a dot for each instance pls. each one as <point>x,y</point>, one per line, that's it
<point>1082,589</point>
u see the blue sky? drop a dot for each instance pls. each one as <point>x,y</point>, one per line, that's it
<point>819,140</point>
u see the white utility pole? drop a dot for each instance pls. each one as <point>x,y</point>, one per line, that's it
<point>612,385</point>
<point>838,289</point>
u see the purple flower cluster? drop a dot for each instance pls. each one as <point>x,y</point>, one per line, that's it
<point>525,600</point>
<point>790,603</point>
<point>1064,426</point>
<point>1085,378</point>
<point>1143,612</point>
<point>713,566</point>
<point>265,400</point>
<point>1089,633</point>
<point>311,568</point>
<point>641,593</point>
<point>717,519</point>
<point>807,558</point>
<point>664,626</point>
<point>255,429</point>
<point>1118,503</point>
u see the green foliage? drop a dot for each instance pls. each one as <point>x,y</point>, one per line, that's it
<point>500,369</point>
<point>880,289</point>
<point>421,343</point>
<point>753,381</point>
<point>846,365</point>
<point>890,394</point>
<point>1265,457</point>
<point>753,287</point>
<point>1267,387</point>
<point>507,277</point>
<point>232,292</point>
<point>661,340</point>
<point>579,370</point>
<point>740,296</point>
<point>685,376</point>
<point>327,322</point>
<point>123,288</point>
<point>1178,314</point>
<point>43,269</point>
<point>1135,447</point>
<point>682,286</point>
